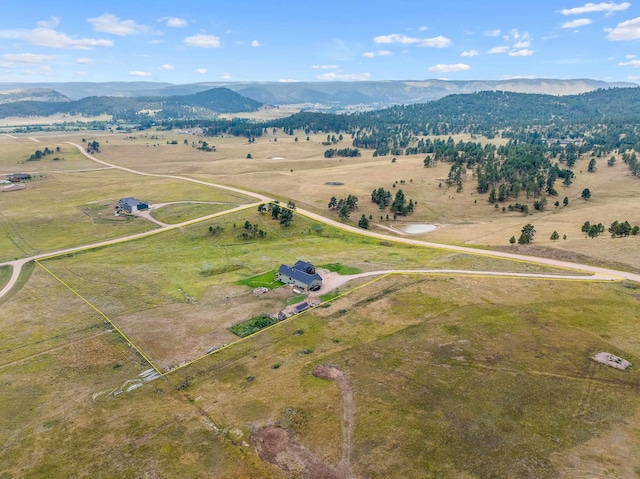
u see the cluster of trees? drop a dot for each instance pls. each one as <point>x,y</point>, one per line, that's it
<point>526,235</point>
<point>252,231</point>
<point>592,230</point>
<point>331,139</point>
<point>342,152</point>
<point>381,197</point>
<point>344,206</point>
<point>39,154</point>
<point>283,214</point>
<point>399,206</point>
<point>204,146</point>
<point>617,229</point>
<point>93,147</point>
<point>623,229</point>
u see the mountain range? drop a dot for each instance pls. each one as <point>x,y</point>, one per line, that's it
<point>309,95</point>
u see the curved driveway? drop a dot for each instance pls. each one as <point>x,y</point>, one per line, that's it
<point>598,273</point>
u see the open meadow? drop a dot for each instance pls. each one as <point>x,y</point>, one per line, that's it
<point>119,361</point>
<point>287,169</point>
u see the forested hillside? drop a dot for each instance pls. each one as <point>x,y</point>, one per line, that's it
<point>546,136</point>
<point>200,105</point>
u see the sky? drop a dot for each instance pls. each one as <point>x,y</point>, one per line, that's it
<point>192,41</point>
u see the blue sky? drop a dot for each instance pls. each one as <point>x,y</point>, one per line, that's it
<point>239,40</point>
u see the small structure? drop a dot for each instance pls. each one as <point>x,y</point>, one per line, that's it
<point>131,204</point>
<point>301,275</point>
<point>611,360</point>
<point>18,177</point>
<point>302,307</point>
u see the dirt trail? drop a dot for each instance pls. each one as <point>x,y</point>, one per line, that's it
<point>348,413</point>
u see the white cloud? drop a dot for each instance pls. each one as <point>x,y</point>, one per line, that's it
<point>109,23</point>
<point>628,57</point>
<point>174,22</point>
<point>286,80</point>
<point>456,67</point>
<point>325,67</point>
<point>470,53</point>
<point>139,74</point>
<point>525,52</point>
<point>633,77</point>
<point>81,74</point>
<point>201,71</point>
<point>580,22</point>
<point>14,60</point>
<point>228,32</point>
<point>435,42</point>
<point>422,28</point>
<point>396,38</point>
<point>166,67</point>
<point>255,43</point>
<point>516,35</point>
<point>53,22</point>
<point>523,44</point>
<point>629,30</point>
<point>226,76</point>
<point>202,41</point>
<point>29,58</point>
<point>596,7</point>
<point>344,76</point>
<point>379,53</point>
<point>84,61</point>
<point>492,33</point>
<point>46,37</point>
<point>631,63</point>
<point>502,49</point>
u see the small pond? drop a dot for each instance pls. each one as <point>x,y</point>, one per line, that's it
<point>417,228</point>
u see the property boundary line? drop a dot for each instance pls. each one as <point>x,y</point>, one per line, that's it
<point>91,305</point>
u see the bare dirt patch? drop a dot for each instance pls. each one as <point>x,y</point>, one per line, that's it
<point>279,446</point>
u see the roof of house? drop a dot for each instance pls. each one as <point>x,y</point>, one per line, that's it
<point>303,265</point>
<point>129,200</point>
<point>298,275</point>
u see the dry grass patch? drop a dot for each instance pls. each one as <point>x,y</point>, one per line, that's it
<point>454,377</point>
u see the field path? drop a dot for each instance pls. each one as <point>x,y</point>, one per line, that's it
<point>348,413</point>
<point>598,273</point>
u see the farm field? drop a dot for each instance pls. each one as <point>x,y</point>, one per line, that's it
<point>450,375</point>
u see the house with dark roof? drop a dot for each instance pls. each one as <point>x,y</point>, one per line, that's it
<point>131,204</point>
<point>302,274</point>
<point>16,177</point>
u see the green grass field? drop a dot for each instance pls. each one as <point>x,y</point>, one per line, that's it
<point>5,274</point>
